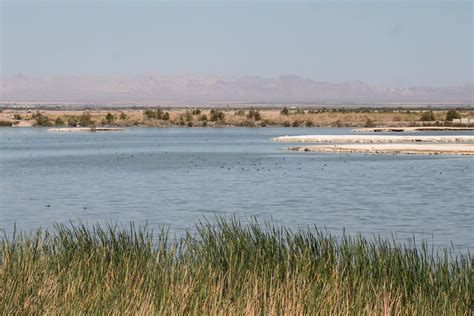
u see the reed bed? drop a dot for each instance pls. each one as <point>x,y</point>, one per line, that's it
<point>226,267</point>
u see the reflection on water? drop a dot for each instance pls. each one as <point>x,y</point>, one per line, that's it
<point>174,176</point>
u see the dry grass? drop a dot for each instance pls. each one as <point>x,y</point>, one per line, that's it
<point>268,117</point>
<point>226,268</point>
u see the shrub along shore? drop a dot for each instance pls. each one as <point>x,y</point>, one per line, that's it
<point>227,268</point>
<point>246,117</point>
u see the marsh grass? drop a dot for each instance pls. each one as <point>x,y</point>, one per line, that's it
<point>226,268</point>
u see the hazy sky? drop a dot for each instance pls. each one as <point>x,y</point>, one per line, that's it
<point>396,43</point>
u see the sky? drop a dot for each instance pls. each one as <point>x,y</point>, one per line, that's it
<point>388,43</point>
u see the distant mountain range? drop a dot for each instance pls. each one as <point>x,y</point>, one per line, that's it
<point>189,88</point>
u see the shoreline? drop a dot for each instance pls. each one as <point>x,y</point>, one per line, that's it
<point>412,129</point>
<point>374,139</point>
<point>407,149</point>
<point>388,119</point>
<point>86,129</point>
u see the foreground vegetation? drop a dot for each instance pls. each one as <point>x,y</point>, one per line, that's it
<point>226,268</point>
<point>246,117</point>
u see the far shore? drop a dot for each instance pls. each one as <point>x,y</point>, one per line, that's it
<point>386,119</point>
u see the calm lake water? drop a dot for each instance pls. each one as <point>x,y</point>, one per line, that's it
<point>173,177</point>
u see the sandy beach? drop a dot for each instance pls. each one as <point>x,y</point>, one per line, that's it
<point>374,139</point>
<point>427,149</point>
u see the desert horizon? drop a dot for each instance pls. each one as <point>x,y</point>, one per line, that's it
<point>135,89</point>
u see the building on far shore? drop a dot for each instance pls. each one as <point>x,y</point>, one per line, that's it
<point>463,121</point>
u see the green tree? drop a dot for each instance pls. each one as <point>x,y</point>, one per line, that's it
<point>59,122</point>
<point>254,115</point>
<point>72,121</point>
<point>41,120</point>
<point>216,115</point>
<point>452,114</point>
<point>109,118</point>
<point>285,111</point>
<point>86,119</point>
<point>149,114</point>
<point>428,116</point>
<point>159,114</point>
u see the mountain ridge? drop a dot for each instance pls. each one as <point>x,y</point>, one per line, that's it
<point>196,88</point>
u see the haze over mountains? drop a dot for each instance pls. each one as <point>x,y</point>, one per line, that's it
<point>191,88</point>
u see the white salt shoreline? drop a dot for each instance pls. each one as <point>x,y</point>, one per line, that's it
<point>413,129</point>
<point>385,144</point>
<point>86,129</point>
<point>427,149</point>
<point>375,139</point>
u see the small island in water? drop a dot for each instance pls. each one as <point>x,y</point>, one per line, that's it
<point>385,144</point>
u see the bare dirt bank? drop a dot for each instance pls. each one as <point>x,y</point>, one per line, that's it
<point>374,139</point>
<point>427,149</point>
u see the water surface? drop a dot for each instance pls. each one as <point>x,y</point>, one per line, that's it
<point>175,176</point>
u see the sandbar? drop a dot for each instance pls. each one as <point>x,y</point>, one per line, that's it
<point>427,149</point>
<point>86,129</point>
<point>413,129</point>
<point>375,139</point>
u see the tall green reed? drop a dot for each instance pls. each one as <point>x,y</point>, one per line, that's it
<point>227,267</point>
